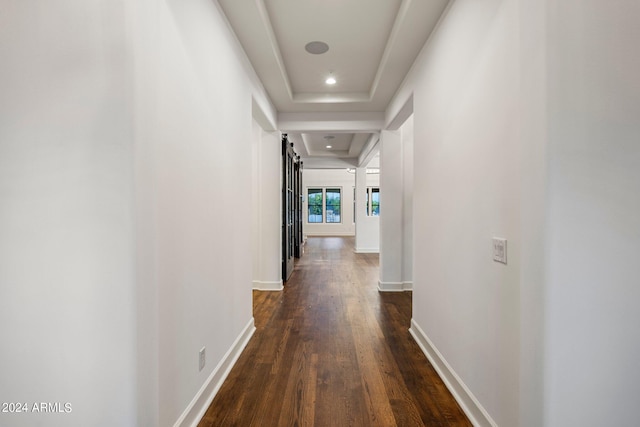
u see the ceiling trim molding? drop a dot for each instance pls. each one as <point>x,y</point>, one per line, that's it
<point>333,98</point>
<point>330,122</point>
<point>401,115</point>
<point>369,150</point>
<point>257,112</point>
<point>353,149</point>
<point>329,163</point>
<point>275,47</point>
<point>400,17</point>
<point>305,142</point>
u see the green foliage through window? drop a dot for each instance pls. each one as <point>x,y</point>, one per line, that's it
<point>373,201</point>
<point>333,204</point>
<point>314,203</point>
<point>324,205</point>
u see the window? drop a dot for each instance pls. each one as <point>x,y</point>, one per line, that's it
<point>373,201</point>
<point>324,205</point>
<point>333,204</point>
<point>314,203</point>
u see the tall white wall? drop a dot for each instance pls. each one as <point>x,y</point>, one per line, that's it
<point>197,135</point>
<point>396,212</point>
<point>124,208</point>
<point>525,119</point>
<point>466,190</point>
<point>67,283</point>
<point>592,346</point>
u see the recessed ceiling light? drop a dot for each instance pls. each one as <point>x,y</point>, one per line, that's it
<point>316,48</point>
<point>330,81</point>
<point>328,146</point>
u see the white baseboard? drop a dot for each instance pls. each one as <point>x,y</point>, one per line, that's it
<point>394,286</point>
<point>367,250</point>
<point>200,403</point>
<point>478,416</point>
<point>267,286</point>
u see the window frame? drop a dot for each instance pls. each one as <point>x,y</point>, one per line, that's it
<point>370,202</point>
<point>332,190</point>
<point>324,203</point>
<point>320,205</point>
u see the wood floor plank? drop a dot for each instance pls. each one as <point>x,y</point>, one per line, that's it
<point>330,350</point>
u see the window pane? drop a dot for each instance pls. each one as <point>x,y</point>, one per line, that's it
<point>333,204</point>
<point>375,201</point>
<point>314,203</point>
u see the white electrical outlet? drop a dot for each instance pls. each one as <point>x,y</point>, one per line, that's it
<point>500,250</point>
<point>202,359</point>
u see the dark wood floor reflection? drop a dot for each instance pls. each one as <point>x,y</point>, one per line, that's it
<point>330,350</point>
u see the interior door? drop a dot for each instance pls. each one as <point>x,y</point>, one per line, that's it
<point>297,177</point>
<point>288,207</point>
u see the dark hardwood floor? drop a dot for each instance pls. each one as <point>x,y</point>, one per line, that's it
<point>330,350</point>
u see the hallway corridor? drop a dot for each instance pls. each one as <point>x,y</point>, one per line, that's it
<point>330,350</point>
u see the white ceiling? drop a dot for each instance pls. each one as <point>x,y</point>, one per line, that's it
<point>372,45</point>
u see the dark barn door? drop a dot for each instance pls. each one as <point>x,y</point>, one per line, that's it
<point>298,191</point>
<point>291,207</point>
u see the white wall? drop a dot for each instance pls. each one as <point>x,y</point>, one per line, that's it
<point>334,178</point>
<point>407,205</point>
<point>124,208</point>
<point>197,135</point>
<point>396,194</point>
<point>526,128</point>
<point>466,190</point>
<point>67,294</point>
<point>533,202</point>
<point>367,227</point>
<point>391,211</point>
<point>593,274</point>
<point>267,210</point>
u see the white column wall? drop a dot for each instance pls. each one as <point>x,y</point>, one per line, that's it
<point>367,227</point>
<point>267,237</point>
<point>256,208</point>
<point>391,211</point>
<point>407,203</point>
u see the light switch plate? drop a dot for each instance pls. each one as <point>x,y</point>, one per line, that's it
<point>500,250</point>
